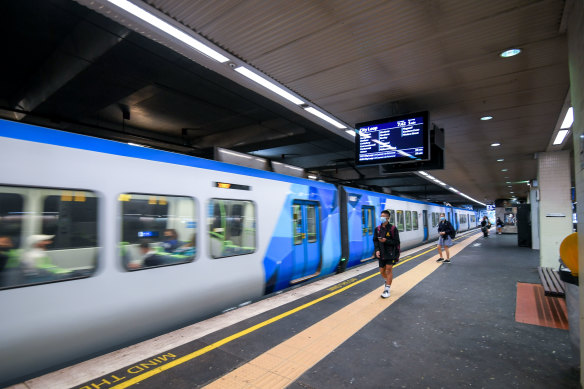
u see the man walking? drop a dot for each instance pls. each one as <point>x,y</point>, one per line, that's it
<point>387,250</point>
<point>445,230</point>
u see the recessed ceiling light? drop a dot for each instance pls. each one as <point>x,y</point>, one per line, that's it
<point>486,118</point>
<point>510,53</point>
<point>504,170</point>
<point>495,144</point>
<point>509,186</point>
<point>511,192</point>
<point>507,182</point>
<point>500,160</point>
<point>560,137</point>
<point>568,119</point>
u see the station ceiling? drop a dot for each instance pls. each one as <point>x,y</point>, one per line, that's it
<point>87,67</point>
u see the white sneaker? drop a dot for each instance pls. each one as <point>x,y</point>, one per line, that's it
<point>385,293</point>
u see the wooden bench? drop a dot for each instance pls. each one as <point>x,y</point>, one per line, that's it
<point>550,280</point>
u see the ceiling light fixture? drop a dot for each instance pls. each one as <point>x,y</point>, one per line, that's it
<point>495,144</point>
<point>351,132</point>
<point>560,137</point>
<point>169,29</point>
<point>268,85</point>
<point>325,117</point>
<point>568,119</point>
<point>500,160</point>
<point>510,53</point>
<point>504,170</point>
<point>486,118</point>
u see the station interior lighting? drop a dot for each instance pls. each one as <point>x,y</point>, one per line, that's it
<point>486,118</point>
<point>269,85</point>
<point>495,144</point>
<point>432,178</point>
<point>324,117</point>
<point>169,29</point>
<point>510,53</point>
<point>568,119</point>
<point>560,137</point>
<point>500,160</point>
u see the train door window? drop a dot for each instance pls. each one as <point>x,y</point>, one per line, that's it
<point>298,226</point>
<point>368,220</point>
<point>433,219</point>
<point>46,235</point>
<point>415,220</point>
<point>400,220</point>
<point>311,223</point>
<point>157,230</point>
<point>232,227</point>
<point>408,220</point>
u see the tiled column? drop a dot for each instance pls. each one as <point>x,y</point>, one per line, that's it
<point>555,204</point>
<point>576,66</point>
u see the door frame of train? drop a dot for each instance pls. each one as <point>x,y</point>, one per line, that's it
<point>303,205</point>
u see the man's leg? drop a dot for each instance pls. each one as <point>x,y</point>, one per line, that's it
<point>388,274</point>
<point>440,252</point>
<point>382,272</point>
<point>447,252</point>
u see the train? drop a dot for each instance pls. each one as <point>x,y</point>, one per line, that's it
<point>103,243</point>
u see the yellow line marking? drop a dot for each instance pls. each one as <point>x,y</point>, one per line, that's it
<point>286,362</point>
<point>237,335</point>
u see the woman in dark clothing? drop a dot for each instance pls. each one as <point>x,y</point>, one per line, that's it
<point>485,226</point>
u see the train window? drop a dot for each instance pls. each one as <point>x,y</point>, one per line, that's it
<point>232,227</point>
<point>71,218</point>
<point>392,217</point>
<point>311,223</point>
<point>400,220</point>
<point>408,220</point>
<point>415,219</point>
<point>46,235</point>
<point>367,220</point>
<point>433,219</point>
<point>157,230</point>
<point>298,227</point>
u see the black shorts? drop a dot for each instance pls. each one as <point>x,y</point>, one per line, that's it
<point>385,262</point>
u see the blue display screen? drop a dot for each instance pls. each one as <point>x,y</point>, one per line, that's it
<point>402,138</point>
<point>148,234</point>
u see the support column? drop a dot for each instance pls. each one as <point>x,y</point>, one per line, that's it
<point>555,204</point>
<point>576,66</point>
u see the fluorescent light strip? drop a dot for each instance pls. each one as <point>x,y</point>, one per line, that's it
<point>288,166</point>
<point>351,132</point>
<point>235,154</point>
<point>325,117</point>
<point>268,84</point>
<point>568,119</point>
<point>170,30</point>
<point>560,137</point>
<point>430,177</point>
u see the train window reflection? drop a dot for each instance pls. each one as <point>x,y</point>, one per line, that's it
<point>415,219</point>
<point>408,220</point>
<point>157,230</point>
<point>46,235</point>
<point>232,228</point>
<point>400,221</point>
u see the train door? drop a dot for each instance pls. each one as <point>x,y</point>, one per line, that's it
<point>425,221</point>
<point>368,227</point>
<point>306,223</point>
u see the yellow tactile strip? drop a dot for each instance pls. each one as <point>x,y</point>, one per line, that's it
<point>281,365</point>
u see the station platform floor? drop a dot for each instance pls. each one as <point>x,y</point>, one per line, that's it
<point>444,326</point>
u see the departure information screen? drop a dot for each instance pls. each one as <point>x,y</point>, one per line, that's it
<point>398,139</point>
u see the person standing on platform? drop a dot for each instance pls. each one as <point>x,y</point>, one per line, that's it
<point>387,250</point>
<point>485,226</point>
<point>499,226</point>
<point>445,231</point>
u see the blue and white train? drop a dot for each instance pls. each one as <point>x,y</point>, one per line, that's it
<point>103,243</point>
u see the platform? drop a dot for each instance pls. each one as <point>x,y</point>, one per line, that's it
<point>444,326</point>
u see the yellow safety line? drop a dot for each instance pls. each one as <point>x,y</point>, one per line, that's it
<point>235,336</point>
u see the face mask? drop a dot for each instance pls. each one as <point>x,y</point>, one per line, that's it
<point>442,218</point>
<point>382,220</point>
